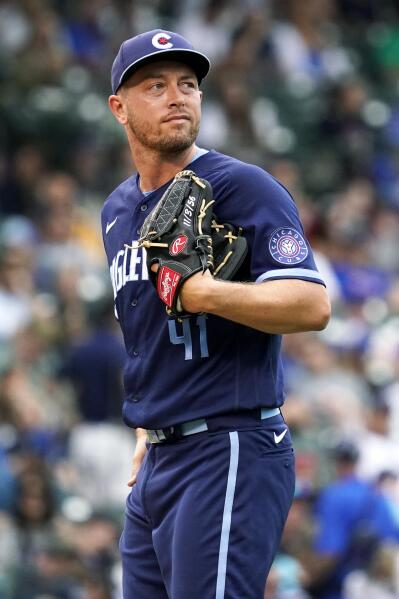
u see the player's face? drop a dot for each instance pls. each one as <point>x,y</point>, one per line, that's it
<point>163,106</point>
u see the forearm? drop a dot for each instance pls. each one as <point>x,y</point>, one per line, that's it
<point>271,307</point>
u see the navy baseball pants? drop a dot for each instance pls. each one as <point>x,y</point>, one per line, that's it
<point>205,517</point>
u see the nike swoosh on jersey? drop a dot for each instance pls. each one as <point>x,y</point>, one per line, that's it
<point>280,437</point>
<point>110,225</point>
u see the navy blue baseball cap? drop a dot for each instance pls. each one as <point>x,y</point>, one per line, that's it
<point>153,46</point>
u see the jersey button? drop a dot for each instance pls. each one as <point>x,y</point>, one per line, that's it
<point>144,207</point>
<point>138,231</point>
<point>135,399</point>
<point>134,302</point>
<point>135,353</point>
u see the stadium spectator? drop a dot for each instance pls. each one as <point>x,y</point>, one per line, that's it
<point>353,520</point>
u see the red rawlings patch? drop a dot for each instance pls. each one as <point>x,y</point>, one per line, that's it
<point>168,280</point>
<point>178,245</point>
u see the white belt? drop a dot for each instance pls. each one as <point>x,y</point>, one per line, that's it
<point>192,427</point>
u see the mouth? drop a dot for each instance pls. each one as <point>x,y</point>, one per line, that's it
<point>176,118</point>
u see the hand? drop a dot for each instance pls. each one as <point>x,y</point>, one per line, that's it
<point>194,291</point>
<point>138,456</point>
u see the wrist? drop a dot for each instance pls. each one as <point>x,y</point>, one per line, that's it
<point>141,434</point>
<point>197,293</point>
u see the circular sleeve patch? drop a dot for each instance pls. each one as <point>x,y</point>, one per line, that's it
<point>287,246</point>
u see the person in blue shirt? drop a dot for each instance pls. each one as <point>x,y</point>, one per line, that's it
<point>213,471</point>
<point>94,366</point>
<point>353,519</point>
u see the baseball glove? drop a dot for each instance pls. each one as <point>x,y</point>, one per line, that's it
<point>182,236</point>
<point>177,237</point>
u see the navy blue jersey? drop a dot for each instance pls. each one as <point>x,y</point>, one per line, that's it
<point>205,365</point>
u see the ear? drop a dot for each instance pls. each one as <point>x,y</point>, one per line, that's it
<point>116,106</point>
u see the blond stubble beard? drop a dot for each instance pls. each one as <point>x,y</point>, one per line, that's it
<point>172,143</point>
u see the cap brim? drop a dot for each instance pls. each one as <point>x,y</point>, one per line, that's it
<point>196,60</point>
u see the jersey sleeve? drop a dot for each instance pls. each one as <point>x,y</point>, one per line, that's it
<point>270,220</point>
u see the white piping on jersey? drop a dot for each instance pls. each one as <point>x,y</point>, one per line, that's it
<point>228,507</point>
<point>290,273</point>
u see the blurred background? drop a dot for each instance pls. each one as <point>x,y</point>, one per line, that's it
<point>308,90</point>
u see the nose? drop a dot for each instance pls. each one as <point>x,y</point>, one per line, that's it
<point>175,96</point>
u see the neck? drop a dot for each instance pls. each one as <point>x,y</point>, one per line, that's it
<point>155,169</point>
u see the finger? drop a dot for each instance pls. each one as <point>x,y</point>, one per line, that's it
<point>132,481</point>
<point>133,477</point>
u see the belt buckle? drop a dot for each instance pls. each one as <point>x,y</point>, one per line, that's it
<point>172,433</point>
<point>165,435</point>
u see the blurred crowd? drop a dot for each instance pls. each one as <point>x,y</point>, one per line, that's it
<point>308,90</point>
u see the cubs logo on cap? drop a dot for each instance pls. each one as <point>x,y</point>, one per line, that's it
<point>153,46</point>
<point>161,41</point>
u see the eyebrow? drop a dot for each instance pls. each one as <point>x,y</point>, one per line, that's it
<point>154,75</point>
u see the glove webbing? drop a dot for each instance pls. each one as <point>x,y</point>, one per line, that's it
<point>193,177</point>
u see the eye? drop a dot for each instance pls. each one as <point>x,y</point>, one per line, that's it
<point>157,86</point>
<point>190,84</point>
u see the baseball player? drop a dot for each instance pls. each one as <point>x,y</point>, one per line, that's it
<point>213,472</point>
